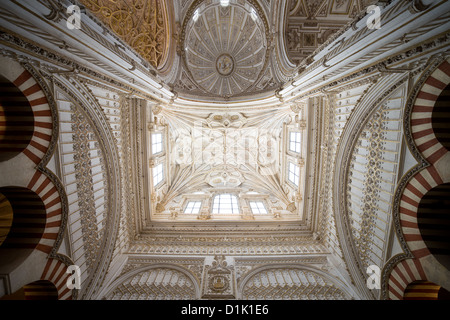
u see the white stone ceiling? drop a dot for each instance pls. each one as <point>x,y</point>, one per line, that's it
<point>217,147</point>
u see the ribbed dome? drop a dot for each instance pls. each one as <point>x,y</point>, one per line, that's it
<point>225,47</point>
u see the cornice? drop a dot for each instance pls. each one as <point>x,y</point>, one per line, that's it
<point>249,246</point>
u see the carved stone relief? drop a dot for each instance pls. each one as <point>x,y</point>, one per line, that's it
<point>218,281</point>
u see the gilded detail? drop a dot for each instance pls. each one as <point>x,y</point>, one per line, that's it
<point>141,24</point>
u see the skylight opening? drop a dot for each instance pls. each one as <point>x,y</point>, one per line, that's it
<point>295,142</point>
<point>258,207</point>
<point>193,207</point>
<point>158,174</point>
<point>225,204</point>
<point>294,174</point>
<point>224,3</point>
<point>157,145</point>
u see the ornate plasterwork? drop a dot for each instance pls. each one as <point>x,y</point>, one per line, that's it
<point>405,39</point>
<point>371,73</point>
<point>244,265</point>
<point>226,120</point>
<point>91,229</point>
<point>312,23</point>
<point>228,151</point>
<point>218,276</point>
<point>219,280</point>
<point>368,104</point>
<point>195,265</point>
<point>54,62</point>
<point>232,244</point>
<point>372,177</point>
<point>157,282</point>
<point>225,177</point>
<point>290,282</point>
<point>144,25</point>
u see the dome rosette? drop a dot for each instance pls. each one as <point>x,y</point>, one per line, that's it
<point>225,46</point>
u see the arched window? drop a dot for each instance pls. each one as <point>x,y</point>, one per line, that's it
<point>225,204</point>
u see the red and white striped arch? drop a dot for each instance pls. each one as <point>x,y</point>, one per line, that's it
<point>39,182</point>
<point>37,99</point>
<point>404,273</point>
<point>421,116</point>
<point>423,181</point>
<point>43,126</point>
<point>37,148</point>
<point>55,271</point>
<point>51,198</point>
<point>417,187</point>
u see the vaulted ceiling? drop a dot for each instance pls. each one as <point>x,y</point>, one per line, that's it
<point>225,52</point>
<point>313,131</point>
